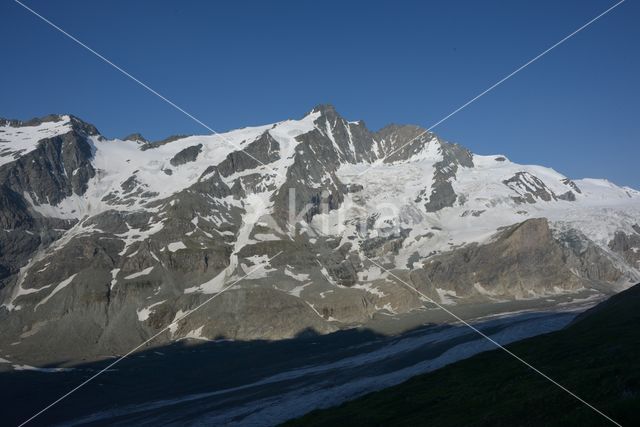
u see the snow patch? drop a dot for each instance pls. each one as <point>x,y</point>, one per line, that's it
<point>57,289</point>
<point>446,296</point>
<point>44,370</point>
<point>114,273</point>
<point>297,291</point>
<point>176,246</point>
<point>299,277</point>
<point>368,287</point>
<point>196,334</point>
<point>144,272</point>
<point>213,286</point>
<point>263,237</point>
<point>143,314</point>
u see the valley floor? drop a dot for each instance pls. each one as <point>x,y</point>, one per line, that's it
<point>265,383</point>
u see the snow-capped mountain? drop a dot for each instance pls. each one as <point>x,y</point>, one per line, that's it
<point>105,242</point>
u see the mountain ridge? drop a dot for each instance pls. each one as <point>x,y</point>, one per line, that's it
<point>115,239</point>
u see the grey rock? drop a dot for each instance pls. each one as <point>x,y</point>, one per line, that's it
<point>167,140</point>
<point>524,260</point>
<point>442,196</point>
<point>57,168</point>
<point>136,137</point>
<point>572,184</point>
<point>186,155</point>
<point>529,188</point>
<point>568,196</point>
<point>263,150</point>
<point>628,245</point>
<point>31,122</point>
<point>400,142</point>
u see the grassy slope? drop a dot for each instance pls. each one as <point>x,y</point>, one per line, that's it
<point>597,358</point>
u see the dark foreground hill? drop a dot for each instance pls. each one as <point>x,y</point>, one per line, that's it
<point>596,357</point>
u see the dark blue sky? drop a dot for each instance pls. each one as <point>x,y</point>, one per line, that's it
<point>240,63</point>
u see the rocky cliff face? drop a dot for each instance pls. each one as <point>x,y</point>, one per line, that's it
<point>522,261</point>
<point>105,242</point>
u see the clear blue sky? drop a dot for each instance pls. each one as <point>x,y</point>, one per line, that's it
<point>239,63</point>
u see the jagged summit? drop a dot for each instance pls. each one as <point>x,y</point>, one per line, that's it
<point>112,239</point>
<point>324,109</point>
<point>34,121</point>
<point>137,137</point>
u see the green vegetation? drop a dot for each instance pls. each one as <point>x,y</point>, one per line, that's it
<point>597,357</point>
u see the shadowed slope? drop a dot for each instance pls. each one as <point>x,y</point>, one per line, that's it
<point>595,357</point>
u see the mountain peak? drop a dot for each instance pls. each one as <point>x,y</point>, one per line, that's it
<point>325,110</point>
<point>34,121</point>
<point>83,126</point>
<point>137,137</point>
